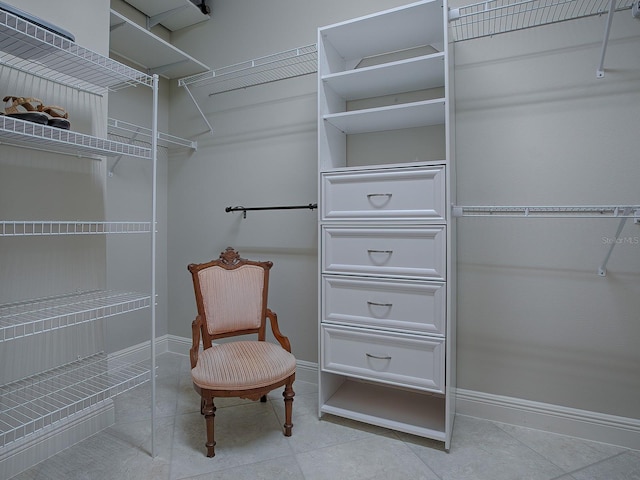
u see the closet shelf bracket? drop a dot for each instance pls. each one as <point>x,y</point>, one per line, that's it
<point>605,41</point>
<point>602,270</point>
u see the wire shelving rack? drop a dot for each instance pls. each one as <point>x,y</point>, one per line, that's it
<point>492,17</point>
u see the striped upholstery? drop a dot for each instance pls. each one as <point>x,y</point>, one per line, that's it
<point>232,298</point>
<point>242,365</point>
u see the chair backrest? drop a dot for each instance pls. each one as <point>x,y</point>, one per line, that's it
<point>231,295</point>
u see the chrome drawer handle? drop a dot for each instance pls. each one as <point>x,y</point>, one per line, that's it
<point>380,304</point>
<point>378,357</point>
<point>388,252</point>
<point>369,195</point>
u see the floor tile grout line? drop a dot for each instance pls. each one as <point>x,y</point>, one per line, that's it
<point>598,462</point>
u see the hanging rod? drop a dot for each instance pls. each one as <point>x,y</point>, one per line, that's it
<point>623,212</point>
<point>244,210</point>
<point>576,211</point>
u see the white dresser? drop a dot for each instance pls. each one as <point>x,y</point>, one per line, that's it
<point>387,251</point>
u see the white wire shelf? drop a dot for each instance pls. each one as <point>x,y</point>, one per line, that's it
<point>132,131</point>
<point>24,134</point>
<point>488,18</point>
<point>23,228</point>
<point>279,66</point>
<point>23,319</point>
<point>37,402</point>
<point>38,51</point>
<point>579,211</point>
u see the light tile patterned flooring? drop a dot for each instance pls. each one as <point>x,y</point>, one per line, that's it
<point>250,445</point>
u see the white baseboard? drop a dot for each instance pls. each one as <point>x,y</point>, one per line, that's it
<point>573,422</point>
<point>585,424</point>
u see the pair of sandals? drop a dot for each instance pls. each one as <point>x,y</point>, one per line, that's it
<point>33,110</point>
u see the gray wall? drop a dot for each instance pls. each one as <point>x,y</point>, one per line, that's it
<point>534,126</point>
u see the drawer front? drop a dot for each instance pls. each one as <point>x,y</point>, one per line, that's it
<point>403,194</point>
<point>412,252</point>
<point>398,359</point>
<point>412,306</point>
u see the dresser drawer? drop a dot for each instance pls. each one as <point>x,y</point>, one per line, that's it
<point>412,306</point>
<point>402,194</point>
<point>413,252</point>
<point>398,359</point>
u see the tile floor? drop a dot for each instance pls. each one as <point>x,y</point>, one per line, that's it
<point>251,445</point>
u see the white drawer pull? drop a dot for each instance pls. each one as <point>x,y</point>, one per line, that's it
<point>379,357</point>
<point>380,304</point>
<point>379,200</point>
<point>388,252</point>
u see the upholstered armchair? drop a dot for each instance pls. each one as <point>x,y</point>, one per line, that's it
<point>231,298</point>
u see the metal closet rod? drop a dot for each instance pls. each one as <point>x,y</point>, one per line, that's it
<point>623,212</point>
<point>244,210</point>
<point>577,211</point>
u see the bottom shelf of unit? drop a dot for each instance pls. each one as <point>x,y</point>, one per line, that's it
<point>406,411</point>
<point>37,402</point>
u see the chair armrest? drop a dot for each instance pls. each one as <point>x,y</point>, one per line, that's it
<point>282,340</point>
<point>196,325</point>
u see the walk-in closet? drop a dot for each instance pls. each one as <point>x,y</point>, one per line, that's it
<point>447,191</point>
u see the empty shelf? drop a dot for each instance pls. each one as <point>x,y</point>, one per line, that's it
<point>417,73</point>
<point>149,52</point>
<point>279,66</point>
<point>39,401</point>
<point>407,115</point>
<point>132,132</point>
<point>27,318</point>
<point>500,16</point>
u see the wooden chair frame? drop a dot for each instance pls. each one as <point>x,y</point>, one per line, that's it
<point>230,260</point>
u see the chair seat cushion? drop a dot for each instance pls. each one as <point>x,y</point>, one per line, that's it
<point>242,365</point>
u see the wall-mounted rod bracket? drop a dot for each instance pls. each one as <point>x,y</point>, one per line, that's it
<point>244,210</point>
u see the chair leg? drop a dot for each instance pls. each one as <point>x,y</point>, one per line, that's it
<point>288,395</point>
<point>263,398</point>
<point>209,411</point>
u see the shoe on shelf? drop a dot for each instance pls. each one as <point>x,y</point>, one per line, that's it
<point>57,116</point>
<point>23,109</point>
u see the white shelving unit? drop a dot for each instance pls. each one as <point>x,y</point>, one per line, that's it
<point>149,52</point>
<point>63,392</point>
<point>386,238</point>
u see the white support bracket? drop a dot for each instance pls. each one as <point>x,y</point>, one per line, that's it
<point>607,31</point>
<point>602,271</point>
<point>186,87</point>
